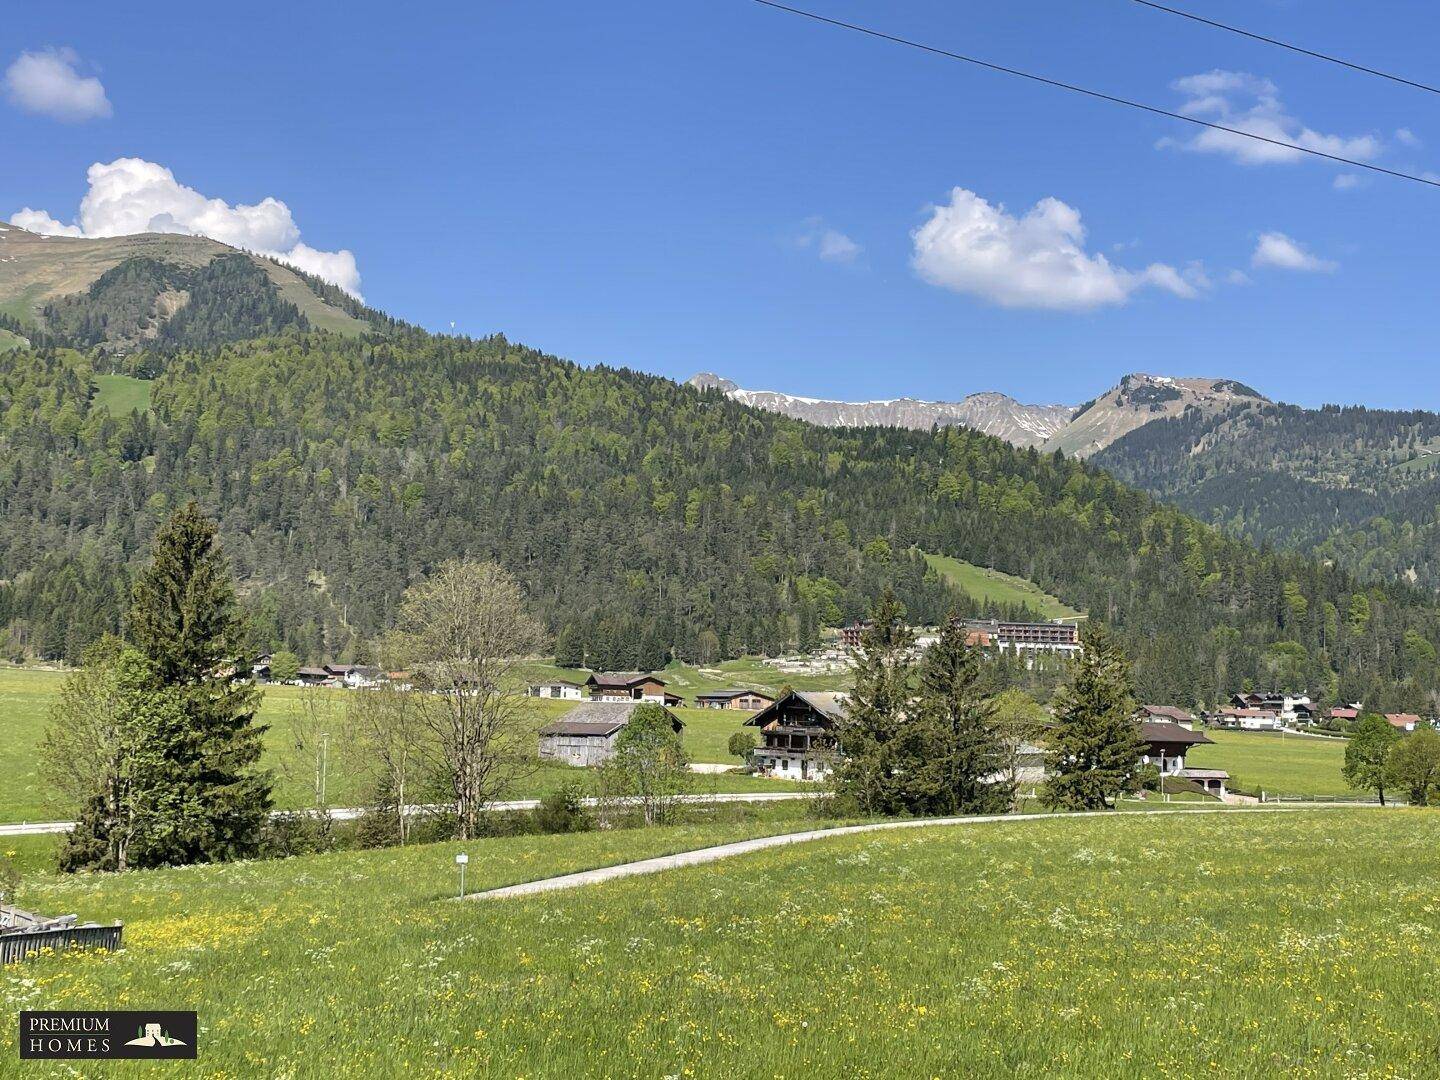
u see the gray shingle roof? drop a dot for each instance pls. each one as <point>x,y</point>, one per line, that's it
<point>599,718</point>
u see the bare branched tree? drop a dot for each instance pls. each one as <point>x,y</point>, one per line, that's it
<point>463,634</point>
<point>316,723</point>
<point>392,746</point>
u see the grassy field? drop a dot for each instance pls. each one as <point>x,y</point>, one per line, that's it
<point>992,585</point>
<point>1277,764</point>
<point>1294,944</point>
<point>26,694</point>
<point>122,394</point>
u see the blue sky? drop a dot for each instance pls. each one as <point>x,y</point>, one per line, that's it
<point>711,185</point>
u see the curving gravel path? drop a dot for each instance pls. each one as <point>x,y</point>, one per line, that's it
<point>743,847</point>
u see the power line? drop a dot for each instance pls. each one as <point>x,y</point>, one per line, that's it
<point>1287,45</point>
<point>1096,94</point>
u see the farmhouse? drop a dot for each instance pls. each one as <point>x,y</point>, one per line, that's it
<point>586,734</point>
<point>1249,719</point>
<point>1403,721</point>
<point>799,735</point>
<point>312,676</point>
<point>746,700</point>
<point>628,686</point>
<point>560,689</point>
<point>1167,741</point>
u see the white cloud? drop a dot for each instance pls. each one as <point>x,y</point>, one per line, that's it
<point>46,83</point>
<point>130,195</point>
<point>1238,277</point>
<point>1277,250</point>
<point>1347,182</point>
<point>1035,261</point>
<point>38,221</point>
<point>1249,103</point>
<point>832,245</point>
<point>1406,137</point>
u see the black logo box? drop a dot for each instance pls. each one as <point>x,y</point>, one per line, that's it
<point>104,1035</point>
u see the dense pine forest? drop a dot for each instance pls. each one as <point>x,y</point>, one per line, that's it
<point>1357,486</point>
<point>646,519</point>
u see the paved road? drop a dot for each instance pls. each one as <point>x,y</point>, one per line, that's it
<point>743,847</point>
<point>346,813</point>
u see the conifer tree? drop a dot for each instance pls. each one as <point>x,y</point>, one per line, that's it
<point>1095,747</point>
<point>872,770</point>
<point>184,621</point>
<point>961,763</point>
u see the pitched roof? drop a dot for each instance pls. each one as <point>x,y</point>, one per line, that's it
<point>832,706</point>
<point>621,680</point>
<point>600,718</point>
<point>1403,719</point>
<point>1167,712</point>
<point>726,694</point>
<point>1162,731</point>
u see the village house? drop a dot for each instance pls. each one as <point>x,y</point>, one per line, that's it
<point>560,689</point>
<point>798,733</point>
<point>1168,738</point>
<point>628,686</point>
<point>586,734</point>
<point>1249,719</point>
<point>1288,708</point>
<point>1403,721</point>
<point>312,676</point>
<point>744,700</point>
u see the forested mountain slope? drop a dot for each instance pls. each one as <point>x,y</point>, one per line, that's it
<point>1354,485</point>
<point>644,517</point>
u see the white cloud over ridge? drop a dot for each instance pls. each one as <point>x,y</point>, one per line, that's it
<point>1250,103</point>
<point>1278,251</point>
<point>131,195</point>
<point>46,82</point>
<point>1037,260</point>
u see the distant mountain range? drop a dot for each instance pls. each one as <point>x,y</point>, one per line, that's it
<point>1078,430</point>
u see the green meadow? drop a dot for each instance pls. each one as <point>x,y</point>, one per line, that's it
<point>122,394</point>
<point>1290,765</point>
<point>1274,763</point>
<point>1294,944</point>
<point>26,695</point>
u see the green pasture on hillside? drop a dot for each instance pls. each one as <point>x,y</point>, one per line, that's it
<point>122,394</point>
<point>1000,588</point>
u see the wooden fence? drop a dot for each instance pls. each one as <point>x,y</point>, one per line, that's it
<point>15,947</point>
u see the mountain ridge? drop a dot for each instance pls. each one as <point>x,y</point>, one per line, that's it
<point>1077,430</point>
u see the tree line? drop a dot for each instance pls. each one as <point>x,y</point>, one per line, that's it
<point>645,520</point>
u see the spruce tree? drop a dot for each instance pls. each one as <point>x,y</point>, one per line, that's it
<point>872,768</point>
<point>1095,746</point>
<point>184,621</point>
<point>961,763</point>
